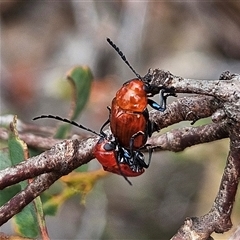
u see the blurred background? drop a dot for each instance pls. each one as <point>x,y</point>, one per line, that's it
<point>42,40</point>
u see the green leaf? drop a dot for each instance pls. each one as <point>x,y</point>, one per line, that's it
<point>17,148</point>
<point>7,193</point>
<point>80,78</point>
<point>5,161</point>
<point>26,220</point>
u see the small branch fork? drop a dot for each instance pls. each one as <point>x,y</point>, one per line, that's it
<point>218,99</point>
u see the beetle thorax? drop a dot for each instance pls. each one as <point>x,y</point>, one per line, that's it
<point>132,96</point>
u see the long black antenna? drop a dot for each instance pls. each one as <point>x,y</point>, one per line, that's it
<point>120,53</point>
<point>68,121</point>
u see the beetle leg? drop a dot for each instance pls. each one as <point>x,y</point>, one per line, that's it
<point>152,127</point>
<point>150,151</point>
<point>160,107</point>
<point>118,156</point>
<point>141,159</point>
<point>131,143</point>
<point>164,94</point>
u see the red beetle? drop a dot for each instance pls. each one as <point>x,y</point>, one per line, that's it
<point>110,154</point>
<point>130,128</point>
<point>129,117</point>
<point>117,159</point>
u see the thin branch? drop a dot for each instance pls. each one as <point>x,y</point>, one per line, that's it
<point>221,89</point>
<point>5,120</point>
<point>179,139</point>
<point>219,217</point>
<point>190,108</point>
<point>32,140</point>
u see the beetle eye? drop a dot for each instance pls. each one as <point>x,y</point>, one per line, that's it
<point>147,88</point>
<point>109,146</point>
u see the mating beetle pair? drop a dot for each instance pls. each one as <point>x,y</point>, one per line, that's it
<point>130,125</point>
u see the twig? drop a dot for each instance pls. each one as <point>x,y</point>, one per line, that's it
<point>32,140</point>
<point>223,89</point>
<point>178,139</point>
<point>219,217</point>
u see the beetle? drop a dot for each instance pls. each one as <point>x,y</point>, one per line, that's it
<point>129,116</point>
<point>110,154</point>
<point>130,128</point>
<point>117,159</point>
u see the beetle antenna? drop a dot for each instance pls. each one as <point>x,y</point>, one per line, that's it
<point>120,53</point>
<point>68,121</point>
